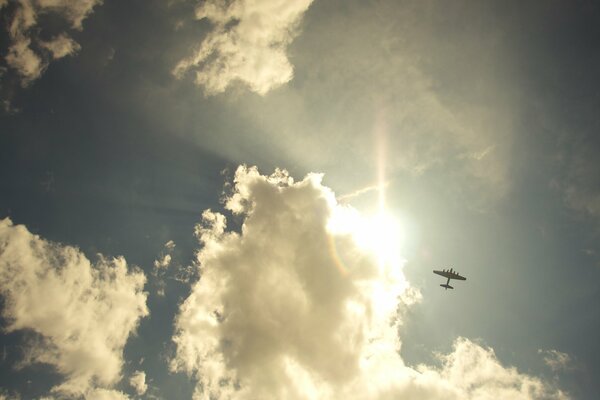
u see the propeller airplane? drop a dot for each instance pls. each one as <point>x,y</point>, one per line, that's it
<point>450,274</point>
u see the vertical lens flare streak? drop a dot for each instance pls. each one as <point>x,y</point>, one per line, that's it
<point>383,222</point>
<point>380,144</point>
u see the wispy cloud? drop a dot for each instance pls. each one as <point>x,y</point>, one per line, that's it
<point>248,43</point>
<point>556,360</point>
<point>61,46</point>
<point>4,395</point>
<point>361,191</point>
<point>82,314</point>
<point>167,267</point>
<point>28,54</point>
<point>289,309</point>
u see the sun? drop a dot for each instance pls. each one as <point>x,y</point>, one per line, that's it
<point>379,234</point>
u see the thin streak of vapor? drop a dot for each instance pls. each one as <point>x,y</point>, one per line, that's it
<point>360,192</point>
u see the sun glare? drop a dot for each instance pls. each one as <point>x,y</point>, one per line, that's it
<point>379,234</point>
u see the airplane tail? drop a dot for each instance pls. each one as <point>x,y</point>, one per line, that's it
<point>446,287</point>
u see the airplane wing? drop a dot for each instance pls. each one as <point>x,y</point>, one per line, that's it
<point>457,276</point>
<point>450,275</point>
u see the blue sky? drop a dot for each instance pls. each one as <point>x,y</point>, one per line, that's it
<point>131,131</point>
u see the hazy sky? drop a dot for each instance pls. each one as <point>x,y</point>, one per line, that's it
<point>245,199</point>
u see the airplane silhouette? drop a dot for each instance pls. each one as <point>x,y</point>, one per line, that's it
<point>450,274</point>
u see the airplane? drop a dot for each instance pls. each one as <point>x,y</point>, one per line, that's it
<point>450,274</point>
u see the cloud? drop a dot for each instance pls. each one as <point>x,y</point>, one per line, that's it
<point>556,360</point>
<point>165,258</point>
<point>99,394</point>
<point>4,395</point>
<point>165,269</point>
<point>28,54</point>
<point>163,262</point>
<point>297,306</point>
<point>248,43</point>
<point>61,46</point>
<point>106,394</point>
<point>82,314</point>
<point>170,245</point>
<point>74,11</point>
<point>138,382</point>
<point>27,63</point>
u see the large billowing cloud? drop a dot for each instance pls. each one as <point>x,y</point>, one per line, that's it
<point>28,54</point>
<point>81,314</point>
<point>248,43</point>
<point>305,302</point>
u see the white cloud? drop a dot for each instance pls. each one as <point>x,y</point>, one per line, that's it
<point>295,307</point>
<point>61,46</point>
<point>170,245</point>
<point>24,32</point>
<point>82,314</point>
<point>163,262</point>
<point>164,259</point>
<point>75,11</point>
<point>138,382</point>
<point>106,394</point>
<point>248,43</point>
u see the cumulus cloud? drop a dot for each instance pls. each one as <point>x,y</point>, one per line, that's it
<point>248,43</point>
<point>28,54</point>
<point>138,382</point>
<point>81,313</point>
<point>301,304</point>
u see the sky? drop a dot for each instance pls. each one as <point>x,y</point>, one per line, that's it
<point>245,199</point>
